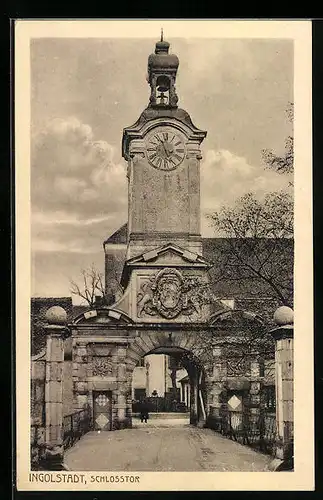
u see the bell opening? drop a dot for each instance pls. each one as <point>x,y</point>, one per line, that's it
<point>163,84</point>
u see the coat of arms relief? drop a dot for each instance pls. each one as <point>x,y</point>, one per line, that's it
<point>168,293</point>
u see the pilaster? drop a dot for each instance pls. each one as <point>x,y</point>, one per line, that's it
<point>123,387</point>
<point>54,394</point>
<point>284,370</point>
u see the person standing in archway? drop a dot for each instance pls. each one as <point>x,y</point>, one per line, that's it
<point>144,411</point>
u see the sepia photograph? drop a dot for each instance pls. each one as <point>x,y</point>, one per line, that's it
<point>161,216</point>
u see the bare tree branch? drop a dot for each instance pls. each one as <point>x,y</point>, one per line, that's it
<point>282,164</point>
<point>258,242</point>
<point>92,286</point>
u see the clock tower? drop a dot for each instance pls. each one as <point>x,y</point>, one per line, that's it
<point>163,153</point>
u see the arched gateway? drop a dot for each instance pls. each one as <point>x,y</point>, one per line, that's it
<point>107,347</point>
<point>164,279</point>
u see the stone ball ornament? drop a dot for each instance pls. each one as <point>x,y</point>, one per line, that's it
<point>56,315</point>
<point>283,316</point>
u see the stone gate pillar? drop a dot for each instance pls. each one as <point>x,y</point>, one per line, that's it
<point>284,374</point>
<point>123,387</point>
<point>56,331</point>
<point>192,372</point>
<point>218,387</point>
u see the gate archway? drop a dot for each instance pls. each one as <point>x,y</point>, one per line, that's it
<point>107,347</point>
<point>195,372</point>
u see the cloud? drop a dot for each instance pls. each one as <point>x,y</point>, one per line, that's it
<point>215,62</point>
<point>225,177</point>
<point>78,191</point>
<point>56,231</point>
<point>52,271</point>
<point>73,172</point>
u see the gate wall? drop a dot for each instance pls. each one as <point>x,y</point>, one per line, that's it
<point>104,358</point>
<point>104,363</point>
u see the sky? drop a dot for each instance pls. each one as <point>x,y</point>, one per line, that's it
<point>85,91</point>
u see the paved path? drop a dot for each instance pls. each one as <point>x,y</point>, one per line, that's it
<point>156,423</point>
<point>155,447</point>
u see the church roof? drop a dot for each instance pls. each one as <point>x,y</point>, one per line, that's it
<point>119,236</point>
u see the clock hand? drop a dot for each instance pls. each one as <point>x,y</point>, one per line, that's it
<point>168,151</point>
<point>165,150</point>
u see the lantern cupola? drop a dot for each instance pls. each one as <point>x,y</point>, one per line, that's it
<point>162,70</point>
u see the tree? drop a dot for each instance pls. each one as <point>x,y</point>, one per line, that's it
<point>282,164</point>
<point>257,248</point>
<point>92,286</point>
<point>243,339</point>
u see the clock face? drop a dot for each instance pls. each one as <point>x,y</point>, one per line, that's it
<point>165,149</point>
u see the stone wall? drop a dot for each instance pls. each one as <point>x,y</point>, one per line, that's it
<point>100,366</point>
<point>37,431</point>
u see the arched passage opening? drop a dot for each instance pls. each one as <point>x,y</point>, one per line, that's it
<point>176,383</point>
<point>161,377</point>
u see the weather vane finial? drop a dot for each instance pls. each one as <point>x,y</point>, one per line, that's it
<point>161,35</point>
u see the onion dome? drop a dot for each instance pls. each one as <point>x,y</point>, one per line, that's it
<point>161,59</point>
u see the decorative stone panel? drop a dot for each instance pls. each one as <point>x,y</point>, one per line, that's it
<point>101,366</point>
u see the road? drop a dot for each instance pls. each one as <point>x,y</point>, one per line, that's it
<point>162,446</point>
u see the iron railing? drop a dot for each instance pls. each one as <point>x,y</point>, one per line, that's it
<point>160,405</point>
<point>257,431</point>
<point>75,425</point>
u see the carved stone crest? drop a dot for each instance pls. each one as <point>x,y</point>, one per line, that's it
<point>102,366</point>
<point>236,367</point>
<point>166,294</point>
